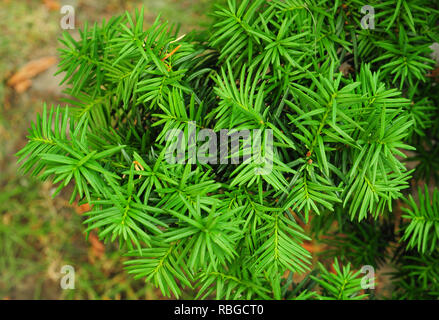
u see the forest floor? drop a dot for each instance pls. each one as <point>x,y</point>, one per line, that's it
<point>38,234</point>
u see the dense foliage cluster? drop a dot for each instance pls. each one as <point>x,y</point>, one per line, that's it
<point>345,105</point>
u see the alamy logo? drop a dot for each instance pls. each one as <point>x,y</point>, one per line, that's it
<point>68,20</point>
<point>368,281</point>
<point>368,21</point>
<point>206,146</point>
<point>68,281</point>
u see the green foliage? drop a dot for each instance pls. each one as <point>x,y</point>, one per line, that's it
<point>361,244</point>
<point>344,284</point>
<point>416,277</point>
<point>422,232</point>
<point>339,142</point>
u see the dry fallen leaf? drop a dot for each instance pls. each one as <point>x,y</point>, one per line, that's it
<point>434,74</point>
<point>345,68</point>
<point>313,247</point>
<point>97,247</point>
<point>21,80</point>
<point>52,5</point>
<point>82,208</point>
<point>23,85</point>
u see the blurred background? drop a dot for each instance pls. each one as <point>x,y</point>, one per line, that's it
<point>38,234</point>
